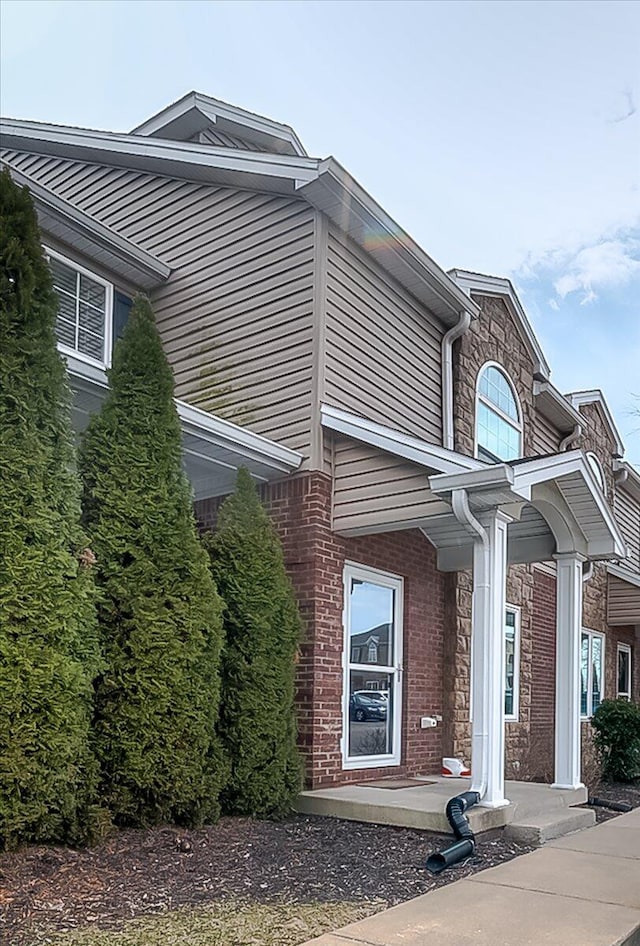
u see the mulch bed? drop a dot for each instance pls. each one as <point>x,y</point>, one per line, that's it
<point>302,859</point>
<point>618,792</point>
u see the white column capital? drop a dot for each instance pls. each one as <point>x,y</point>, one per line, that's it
<point>569,557</point>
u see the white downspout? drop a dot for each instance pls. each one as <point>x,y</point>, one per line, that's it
<point>570,438</point>
<point>462,512</point>
<point>448,339</point>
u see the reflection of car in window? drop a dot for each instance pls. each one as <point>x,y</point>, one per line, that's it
<point>367,705</point>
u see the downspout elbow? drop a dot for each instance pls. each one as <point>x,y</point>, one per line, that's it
<point>459,329</point>
<point>571,438</point>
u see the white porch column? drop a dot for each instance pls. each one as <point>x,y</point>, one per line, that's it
<point>568,632</point>
<point>487,629</point>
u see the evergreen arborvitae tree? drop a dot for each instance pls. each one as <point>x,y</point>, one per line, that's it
<point>262,630</point>
<point>48,637</point>
<point>159,612</point>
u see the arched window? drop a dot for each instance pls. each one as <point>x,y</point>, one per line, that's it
<point>597,470</point>
<point>498,419</point>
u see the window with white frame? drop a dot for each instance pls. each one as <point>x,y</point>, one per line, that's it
<point>83,325</point>
<point>512,664</point>
<point>624,672</point>
<point>372,671</point>
<point>498,416</point>
<point>591,672</point>
<point>597,470</point>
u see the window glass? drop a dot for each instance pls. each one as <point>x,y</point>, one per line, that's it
<point>624,672</point>
<point>591,672</point>
<point>511,668</point>
<point>82,313</point>
<point>499,435</point>
<point>371,679</point>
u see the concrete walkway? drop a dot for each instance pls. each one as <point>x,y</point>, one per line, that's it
<point>581,890</point>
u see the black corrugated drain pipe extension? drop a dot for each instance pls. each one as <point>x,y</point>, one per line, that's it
<point>465,841</point>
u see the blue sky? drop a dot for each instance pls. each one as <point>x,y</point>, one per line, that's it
<point>505,137</point>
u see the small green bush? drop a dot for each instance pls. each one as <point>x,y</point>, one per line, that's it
<point>616,727</point>
<point>262,630</point>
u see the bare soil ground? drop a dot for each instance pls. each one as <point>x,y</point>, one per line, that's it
<point>231,868</point>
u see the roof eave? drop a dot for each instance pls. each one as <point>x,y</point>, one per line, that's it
<point>86,234</point>
<point>340,197</point>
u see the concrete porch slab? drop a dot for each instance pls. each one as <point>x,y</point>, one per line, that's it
<point>423,806</point>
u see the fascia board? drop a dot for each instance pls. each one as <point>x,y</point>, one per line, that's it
<point>211,110</point>
<point>578,398</point>
<point>503,288</point>
<point>394,442</point>
<point>564,464</point>
<point>223,432</point>
<point>100,145</point>
<point>618,571</point>
<point>349,200</point>
<point>631,484</point>
<point>149,269</point>
<point>544,389</point>
<point>498,476</point>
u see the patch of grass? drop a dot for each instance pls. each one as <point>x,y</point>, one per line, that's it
<point>225,924</point>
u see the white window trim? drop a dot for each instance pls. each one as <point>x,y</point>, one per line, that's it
<point>515,716</point>
<point>481,399</point>
<point>108,315</point>
<point>396,583</point>
<point>602,480</point>
<point>626,649</point>
<point>592,634</point>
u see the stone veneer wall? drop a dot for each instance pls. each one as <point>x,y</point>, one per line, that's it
<point>315,557</point>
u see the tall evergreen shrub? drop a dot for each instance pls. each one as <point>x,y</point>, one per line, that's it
<point>262,630</point>
<point>159,612</point>
<point>48,638</point>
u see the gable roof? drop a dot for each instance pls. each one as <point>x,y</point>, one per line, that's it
<point>578,398</point>
<point>322,183</point>
<point>195,112</point>
<point>502,288</point>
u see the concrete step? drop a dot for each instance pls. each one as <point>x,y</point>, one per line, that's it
<point>537,829</point>
<point>377,806</point>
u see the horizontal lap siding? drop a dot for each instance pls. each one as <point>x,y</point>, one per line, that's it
<point>546,438</point>
<point>627,513</point>
<point>623,602</point>
<point>382,347</point>
<point>373,489</point>
<point>236,313</point>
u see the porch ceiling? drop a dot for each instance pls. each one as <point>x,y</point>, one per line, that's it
<point>213,449</point>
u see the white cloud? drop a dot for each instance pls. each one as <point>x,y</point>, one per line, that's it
<point>608,264</point>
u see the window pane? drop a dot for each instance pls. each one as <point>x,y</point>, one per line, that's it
<point>584,673</point>
<point>624,673</point>
<point>510,663</point>
<point>92,319</point>
<point>495,387</point>
<point>496,435</point>
<point>371,626</point>
<point>66,333</point>
<point>92,292</point>
<point>370,713</point>
<point>64,277</point>
<point>90,344</point>
<point>596,680</point>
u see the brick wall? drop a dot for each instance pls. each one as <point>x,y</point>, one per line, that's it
<point>539,763</point>
<point>301,510</point>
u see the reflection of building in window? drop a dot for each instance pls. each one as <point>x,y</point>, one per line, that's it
<point>371,647</point>
<point>498,421</point>
<point>591,672</point>
<point>512,663</point>
<point>624,672</point>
